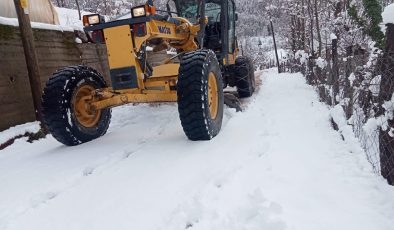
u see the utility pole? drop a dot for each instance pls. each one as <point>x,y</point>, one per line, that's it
<point>22,11</point>
<point>276,49</point>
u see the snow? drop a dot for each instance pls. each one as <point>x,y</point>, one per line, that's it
<point>36,25</point>
<point>12,132</point>
<point>302,56</point>
<point>352,78</point>
<point>382,121</point>
<point>282,55</point>
<point>388,16</point>
<point>333,36</point>
<point>68,18</point>
<point>278,165</point>
<point>374,85</point>
<point>321,63</point>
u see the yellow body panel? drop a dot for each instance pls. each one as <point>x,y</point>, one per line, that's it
<point>120,50</point>
<point>183,34</point>
<point>166,70</point>
<point>120,47</point>
<point>170,34</point>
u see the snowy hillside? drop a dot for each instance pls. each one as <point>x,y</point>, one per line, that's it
<point>278,165</point>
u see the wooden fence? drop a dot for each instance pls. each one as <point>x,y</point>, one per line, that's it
<point>55,49</point>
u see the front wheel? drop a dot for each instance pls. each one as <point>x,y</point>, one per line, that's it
<point>200,95</point>
<point>66,109</point>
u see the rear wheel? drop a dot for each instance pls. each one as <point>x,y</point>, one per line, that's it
<point>245,79</point>
<point>200,95</point>
<point>66,109</point>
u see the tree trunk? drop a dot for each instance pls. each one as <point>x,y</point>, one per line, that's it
<point>303,31</point>
<point>318,30</point>
<point>310,13</point>
<point>390,38</point>
<point>335,71</point>
<point>293,34</point>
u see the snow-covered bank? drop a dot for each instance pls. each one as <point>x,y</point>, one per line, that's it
<point>278,165</point>
<point>36,25</point>
<point>68,18</point>
<point>32,127</point>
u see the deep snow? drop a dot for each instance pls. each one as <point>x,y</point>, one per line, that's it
<point>278,165</point>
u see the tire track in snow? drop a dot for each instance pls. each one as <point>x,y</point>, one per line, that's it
<point>38,200</point>
<point>234,199</point>
<point>43,198</point>
<point>111,160</point>
<point>231,200</point>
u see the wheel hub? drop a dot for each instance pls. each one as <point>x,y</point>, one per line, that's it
<point>84,114</point>
<point>213,95</point>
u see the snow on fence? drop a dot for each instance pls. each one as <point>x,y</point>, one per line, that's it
<point>364,87</point>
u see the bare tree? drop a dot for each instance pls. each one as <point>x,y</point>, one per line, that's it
<point>319,39</point>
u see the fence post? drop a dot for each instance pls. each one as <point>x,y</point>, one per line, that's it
<point>390,38</point>
<point>348,88</point>
<point>276,49</point>
<point>386,142</point>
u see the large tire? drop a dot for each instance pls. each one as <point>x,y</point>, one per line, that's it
<point>200,95</point>
<point>61,94</point>
<point>245,79</point>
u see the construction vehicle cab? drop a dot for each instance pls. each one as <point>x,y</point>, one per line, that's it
<point>77,101</point>
<point>219,32</point>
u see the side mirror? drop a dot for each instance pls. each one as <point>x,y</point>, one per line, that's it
<point>236,17</point>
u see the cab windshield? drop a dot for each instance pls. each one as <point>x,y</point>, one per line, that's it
<point>189,9</point>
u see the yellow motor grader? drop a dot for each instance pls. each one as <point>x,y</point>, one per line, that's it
<point>77,101</point>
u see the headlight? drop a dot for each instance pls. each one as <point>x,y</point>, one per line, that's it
<point>92,19</point>
<point>139,12</point>
<point>95,19</point>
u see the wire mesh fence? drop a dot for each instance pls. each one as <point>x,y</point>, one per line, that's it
<point>364,87</point>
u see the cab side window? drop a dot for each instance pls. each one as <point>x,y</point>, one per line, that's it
<point>231,29</point>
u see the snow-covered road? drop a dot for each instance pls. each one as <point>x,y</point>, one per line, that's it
<point>279,165</point>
